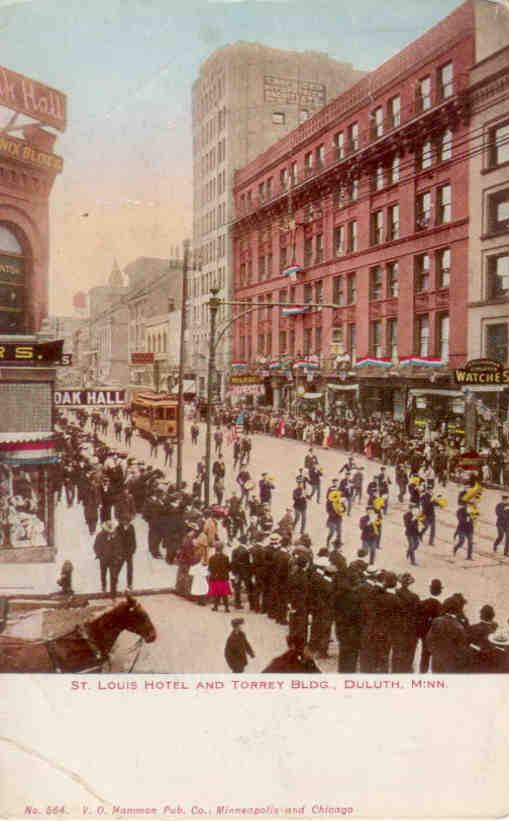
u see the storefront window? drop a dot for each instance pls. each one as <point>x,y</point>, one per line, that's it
<point>12,283</point>
<point>24,506</point>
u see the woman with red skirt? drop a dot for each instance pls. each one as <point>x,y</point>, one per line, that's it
<point>219,571</point>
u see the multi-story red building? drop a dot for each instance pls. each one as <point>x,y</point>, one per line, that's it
<point>365,206</point>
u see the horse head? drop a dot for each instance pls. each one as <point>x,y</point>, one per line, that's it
<point>138,621</point>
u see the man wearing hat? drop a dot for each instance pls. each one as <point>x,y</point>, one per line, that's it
<point>411,525</point>
<point>447,640</point>
<point>405,633</point>
<point>106,549</point>
<point>429,609</point>
<point>300,506</point>
<point>265,488</point>
<point>269,579</point>
<point>241,570</point>
<point>298,595</point>
<point>297,659</point>
<point>502,524</point>
<point>348,614</point>
<point>237,648</point>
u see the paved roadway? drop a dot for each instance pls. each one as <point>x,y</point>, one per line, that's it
<point>192,637</point>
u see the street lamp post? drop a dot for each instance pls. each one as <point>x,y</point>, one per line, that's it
<point>180,404</point>
<point>214,303</point>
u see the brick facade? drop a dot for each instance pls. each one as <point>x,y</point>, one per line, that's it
<point>374,186</point>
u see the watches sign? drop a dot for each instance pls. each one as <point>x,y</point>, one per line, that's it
<point>482,372</point>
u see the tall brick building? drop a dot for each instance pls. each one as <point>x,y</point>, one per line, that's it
<point>368,210</point>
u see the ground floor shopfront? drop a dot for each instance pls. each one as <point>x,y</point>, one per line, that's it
<point>420,401</point>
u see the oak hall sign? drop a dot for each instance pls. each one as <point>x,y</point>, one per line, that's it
<point>482,372</point>
<point>27,96</point>
<point>89,397</point>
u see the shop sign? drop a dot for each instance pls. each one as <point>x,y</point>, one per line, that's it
<point>88,397</point>
<point>37,353</point>
<point>23,152</point>
<point>245,379</point>
<point>142,358</point>
<point>247,390</point>
<point>27,96</point>
<point>482,372</point>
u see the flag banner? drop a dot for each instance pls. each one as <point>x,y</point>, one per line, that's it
<point>295,310</point>
<point>291,271</point>
<point>38,451</point>
<point>306,364</point>
<point>421,361</point>
<point>377,362</point>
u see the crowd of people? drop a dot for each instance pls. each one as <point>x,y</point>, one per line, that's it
<point>233,554</point>
<point>375,437</point>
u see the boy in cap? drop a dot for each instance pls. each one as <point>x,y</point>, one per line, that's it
<point>237,648</point>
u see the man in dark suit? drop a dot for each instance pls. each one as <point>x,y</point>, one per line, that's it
<point>447,640</point>
<point>464,531</point>
<point>502,524</point>
<point>429,609</point>
<point>126,538</point>
<point>297,659</point>
<point>241,570</point>
<point>405,629</point>
<point>237,648</point>
<point>105,549</point>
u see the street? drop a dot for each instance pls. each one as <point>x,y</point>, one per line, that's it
<point>191,638</point>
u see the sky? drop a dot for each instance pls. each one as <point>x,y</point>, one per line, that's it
<point>127,67</point>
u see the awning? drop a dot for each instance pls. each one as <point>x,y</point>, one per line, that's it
<point>484,389</point>
<point>436,392</point>
<point>311,396</point>
<point>28,448</point>
<point>343,387</point>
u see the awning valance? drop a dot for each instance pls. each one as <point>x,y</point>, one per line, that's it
<point>343,387</point>
<point>311,396</point>
<point>436,392</point>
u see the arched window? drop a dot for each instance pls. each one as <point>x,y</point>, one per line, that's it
<point>12,283</point>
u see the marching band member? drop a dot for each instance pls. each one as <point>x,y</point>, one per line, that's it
<point>412,519</point>
<point>502,524</point>
<point>465,529</point>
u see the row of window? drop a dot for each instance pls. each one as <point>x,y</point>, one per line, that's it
<point>382,119</point>
<point>215,218</point>
<point>383,339</point>
<point>212,250</point>
<point>202,283</point>
<point>384,227</point>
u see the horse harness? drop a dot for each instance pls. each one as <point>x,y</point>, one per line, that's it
<point>82,631</point>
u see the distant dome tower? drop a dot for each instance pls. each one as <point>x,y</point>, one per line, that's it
<point>116,279</point>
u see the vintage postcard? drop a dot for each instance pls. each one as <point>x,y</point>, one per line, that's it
<point>254,409</point>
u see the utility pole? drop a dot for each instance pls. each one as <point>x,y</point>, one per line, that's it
<point>180,403</point>
<point>214,303</point>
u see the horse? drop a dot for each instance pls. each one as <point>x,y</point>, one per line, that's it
<point>84,649</point>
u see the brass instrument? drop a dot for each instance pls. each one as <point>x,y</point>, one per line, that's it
<point>379,503</point>
<point>473,493</point>
<point>440,500</point>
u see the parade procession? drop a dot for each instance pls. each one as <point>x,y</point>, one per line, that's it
<point>281,446</point>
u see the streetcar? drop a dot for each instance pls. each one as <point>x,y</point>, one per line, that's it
<point>155,413</point>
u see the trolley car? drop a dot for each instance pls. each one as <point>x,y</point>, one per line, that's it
<point>155,413</point>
